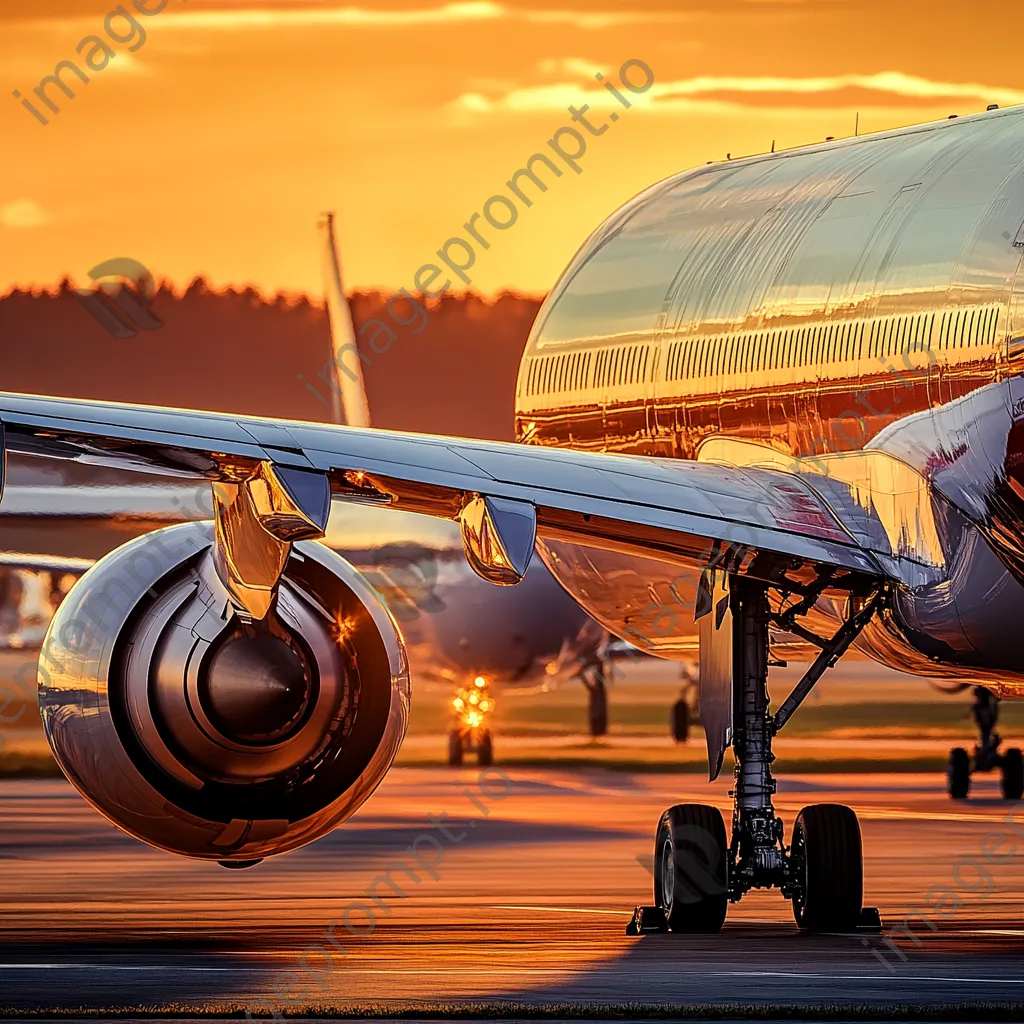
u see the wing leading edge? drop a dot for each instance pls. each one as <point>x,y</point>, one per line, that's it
<point>774,522</point>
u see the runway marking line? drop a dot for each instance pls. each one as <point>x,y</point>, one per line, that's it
<point>531,972</point>
<point>547,972</point>
<point>624,914</point>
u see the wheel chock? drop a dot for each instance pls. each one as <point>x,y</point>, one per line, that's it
<point>647,920</point>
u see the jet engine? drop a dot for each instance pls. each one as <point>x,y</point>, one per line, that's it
<point>208,733</point>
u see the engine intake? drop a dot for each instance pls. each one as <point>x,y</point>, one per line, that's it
<point>208,735</point>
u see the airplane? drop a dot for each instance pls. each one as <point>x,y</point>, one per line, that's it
<point>789,385</point>
<point>458,629</point>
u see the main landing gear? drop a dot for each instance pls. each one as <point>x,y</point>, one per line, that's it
<point>987,757</point>
<point>468,741</point>
<point>697,871</point>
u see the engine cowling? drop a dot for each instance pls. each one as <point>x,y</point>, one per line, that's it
<point>208,736</point>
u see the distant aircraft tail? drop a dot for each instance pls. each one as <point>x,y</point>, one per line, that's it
<point>348,401</point>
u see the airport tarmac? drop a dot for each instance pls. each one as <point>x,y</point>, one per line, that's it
<point>519,897</point>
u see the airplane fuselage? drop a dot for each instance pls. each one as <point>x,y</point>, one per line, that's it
<point>850,310</point>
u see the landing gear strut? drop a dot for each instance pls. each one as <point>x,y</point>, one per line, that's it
<point>985,711</point>
<point>595,674</point>
<point>821,872</point>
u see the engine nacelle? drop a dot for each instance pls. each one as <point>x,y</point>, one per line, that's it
<point>208,736</point>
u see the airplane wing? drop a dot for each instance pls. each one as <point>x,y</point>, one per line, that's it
<point>44,563</point>
<point>771,521</point>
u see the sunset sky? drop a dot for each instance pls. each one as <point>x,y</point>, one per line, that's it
<point>212,148</point>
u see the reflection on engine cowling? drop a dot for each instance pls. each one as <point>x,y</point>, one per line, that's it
<point>210,737</point>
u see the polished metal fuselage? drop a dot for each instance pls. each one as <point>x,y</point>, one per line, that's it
<point>849,310</point>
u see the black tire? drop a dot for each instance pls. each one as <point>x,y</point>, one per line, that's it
<point>485,750</point>
<point>597,710</point>
<point>680,721</point>
<point>455,748</point>
<point>690,868</point>
<point>828,869</point>
<point>1013,774</point>
<point>958,773</point>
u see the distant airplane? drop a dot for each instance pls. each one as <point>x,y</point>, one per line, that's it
<point>797,378</point>
<point>458,628</point>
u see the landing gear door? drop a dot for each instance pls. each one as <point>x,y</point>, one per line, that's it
<point>715,637</point>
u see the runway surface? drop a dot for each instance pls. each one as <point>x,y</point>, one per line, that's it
<point>524,903</point>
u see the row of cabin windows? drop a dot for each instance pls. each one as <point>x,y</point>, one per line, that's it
<point>625,365</point>
<point>553,374</point>
<point>770,349</point>
<point>977,326</point>
<point>570,371</point>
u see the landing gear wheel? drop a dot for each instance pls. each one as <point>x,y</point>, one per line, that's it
<point>455,748</point>
<point>681,721</point>
<point>690,881</point>
<point>485,750</point>
<point>1013,774</point>
<point>827,868</point>
<point>958,773</point>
